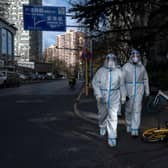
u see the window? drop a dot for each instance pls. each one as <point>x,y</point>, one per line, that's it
<point>4,41</point>
<point>10,43</point>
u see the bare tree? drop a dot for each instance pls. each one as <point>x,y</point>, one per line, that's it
<point>125,24</point>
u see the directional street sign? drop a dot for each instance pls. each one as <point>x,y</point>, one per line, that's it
<point>44,18</point>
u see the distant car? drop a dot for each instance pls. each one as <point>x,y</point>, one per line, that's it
<point>53,77</point>
<point>50,76</point>
<point>22,77</point>
<point>41,76</point>
<point>60,76</point>
<point>63,77</point>
<point>9,78</point>
<point>34,76</point>
<point>3,77</point>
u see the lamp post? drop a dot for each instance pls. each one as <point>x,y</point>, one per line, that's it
<point>86,57</point>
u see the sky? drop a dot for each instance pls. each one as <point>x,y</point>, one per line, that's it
<point>49,37</point>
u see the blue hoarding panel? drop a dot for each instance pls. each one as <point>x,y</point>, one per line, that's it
<point>44,18</point>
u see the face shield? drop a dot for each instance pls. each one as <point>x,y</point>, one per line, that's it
<point>135,56</point>
<point>111,61</point>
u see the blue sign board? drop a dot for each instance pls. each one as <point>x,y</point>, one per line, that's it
<point>44,18</point>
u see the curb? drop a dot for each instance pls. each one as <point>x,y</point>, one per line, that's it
<point>83,117</point>
<point>39,81</point>
<point>77,111</point>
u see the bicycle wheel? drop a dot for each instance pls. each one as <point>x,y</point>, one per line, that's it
<point>155,135</point>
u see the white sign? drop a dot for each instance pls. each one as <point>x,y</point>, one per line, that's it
<point>48,18</point>
<point>26,64</point>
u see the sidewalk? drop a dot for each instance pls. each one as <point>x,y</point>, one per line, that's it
<point>132,153</point>
<point>86,107</point>
<point>87,110</point>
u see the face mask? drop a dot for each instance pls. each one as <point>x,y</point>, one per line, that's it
<point>111,64</point>
<point>135,59</point>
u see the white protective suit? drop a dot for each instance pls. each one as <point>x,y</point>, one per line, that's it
<point>109,88</point>
<point>136,81</point>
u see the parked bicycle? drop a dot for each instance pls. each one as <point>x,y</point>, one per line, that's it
<point>157,134</point>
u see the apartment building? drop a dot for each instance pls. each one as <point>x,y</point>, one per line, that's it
<point>28,44</point>
<point>70,45</point>
<point>68,48</point>
<point>51,53</point>
<point>7,33</point>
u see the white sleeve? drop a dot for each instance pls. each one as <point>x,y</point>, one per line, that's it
<point>146,83</point>
<point>124,79</point>
<point>122,87</point>
<point>96,82</point>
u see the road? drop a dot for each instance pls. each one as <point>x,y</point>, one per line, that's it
<point>59,87</point>
<point>37,125</point>
<point>40,130</point>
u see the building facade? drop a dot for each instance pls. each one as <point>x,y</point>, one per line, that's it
<point>70,45</point>
<point>3,6</point>
<point>36,40</point>
<point>28,44</point>
<point>68,48</point>
<point>51,53</point>
<point>7,34</point>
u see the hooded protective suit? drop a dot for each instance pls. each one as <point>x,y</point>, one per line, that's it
<point>136,81</point>
<point>109,91</point>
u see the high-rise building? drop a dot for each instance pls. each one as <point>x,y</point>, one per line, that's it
<point>70,45</point>
<point>28,44</point>
<point>36,39</point>
<point>7,33</point>
<point>61,45</point>
<point>51,53</point>
<point>68,48</point>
